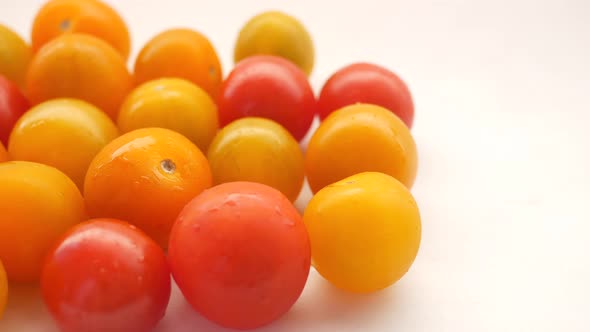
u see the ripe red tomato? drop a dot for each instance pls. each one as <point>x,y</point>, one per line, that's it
<point>240,254</point>
<point>106,275</point>
<point>12,105</point>
<point>370,84</point>
<point>269,87</point>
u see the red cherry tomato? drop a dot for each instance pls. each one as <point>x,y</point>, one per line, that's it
<point>12,105</point>
<point>240,254</point>
<point>106,275</point>
<point>370,84</point>
<point>269,87</point>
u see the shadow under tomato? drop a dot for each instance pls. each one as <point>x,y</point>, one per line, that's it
<point>25,310</point>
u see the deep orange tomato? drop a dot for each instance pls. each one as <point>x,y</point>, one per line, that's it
<point>146,177</point>
<point>240,254</point>
<point>106,275</point>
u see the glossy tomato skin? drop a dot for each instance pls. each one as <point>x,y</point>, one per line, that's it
<point>13,104</point>
<point>269,87</point>
<point>106,275</point>
<point>249,254</point>
<point>366,83</point>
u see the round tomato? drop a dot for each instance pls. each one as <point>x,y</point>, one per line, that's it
<point>63,133</point>
<point>79,66</point>
<point>269,87</point>
<point>3,289</point>
<point>366,83</point>
<point>92,17</point>
<point>174,104</point>
<point>276,33</point>
<point>12,105</point>
<point>240,254</point>
<point>258,150</point>
<point>146,177</point>
<point>365,231</point>
<point>106,275</point>
<point>39,204</point>
<point>181,53</point>
<point>360,138</point>
<point>15,55</point>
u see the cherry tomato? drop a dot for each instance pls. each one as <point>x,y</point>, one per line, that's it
<point>360,138</point>
<point>106,275</point>
<point>240,254</point>
<point>258,150</point>
<point>276,33</point>
<point>63,133</point>
<point>3,289</point>
<point>15,56</point>
<point>365,231</point>
<point>146,177</point>
<point>269,87</point>
<point>174,104</point>
<point>39,204</point>
<point>12,105</point>
<point>366,83</point>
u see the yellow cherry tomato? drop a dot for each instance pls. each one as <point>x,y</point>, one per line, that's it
<point>276,33</point>
<point>3,289</point>
<point>63,133</point>
<point>360,138</point>
<point>3,153</point>
<point>39,204</point>
<point>171,103</point>
<point>364,230</point>
<point>15,55</point>
<point>258,150</point>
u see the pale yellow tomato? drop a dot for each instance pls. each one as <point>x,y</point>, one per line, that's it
<point>3,289</point>
<point>258,150</point>
<point>276,33</point>
<point>360,138</point>
<point>15,56</point>
<point>365,231</point>
<point>171,103</point>
<point>63,133</point>
<point>39,204</point>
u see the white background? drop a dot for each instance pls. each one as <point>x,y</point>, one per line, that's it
<point>502,109</point>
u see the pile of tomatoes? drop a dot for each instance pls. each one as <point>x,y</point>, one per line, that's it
<point>114,181</point>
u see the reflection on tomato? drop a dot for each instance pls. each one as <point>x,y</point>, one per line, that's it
<point>106,275</point>
<point>269,87</point>
<point>366,83</point>
<point>240,254</point>
<point>12,105</point>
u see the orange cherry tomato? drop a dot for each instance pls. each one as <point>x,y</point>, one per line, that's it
<point>146,177</point>
<point>63,133</point>
<point>91,17</point>
<point>174,104</point>
<point>240,254</point>
<point>258,150</point>
<point>39,204</point>
<point>15,56</point>
<point>360,138</point>
<point>180,53</point>
<point>82,67</point>
<point>105,275</point>
<point>3,289</point>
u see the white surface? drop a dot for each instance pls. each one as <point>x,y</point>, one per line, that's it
<point>502,110</point>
